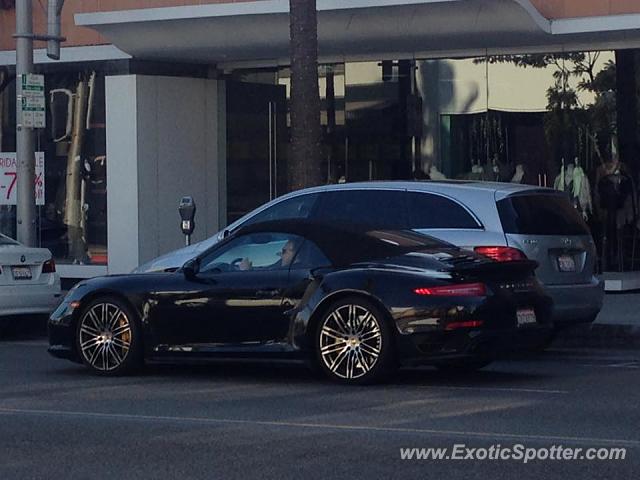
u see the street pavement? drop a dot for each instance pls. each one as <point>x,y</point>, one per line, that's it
<point>258,420</point>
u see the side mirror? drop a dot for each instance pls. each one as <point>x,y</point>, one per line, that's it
<point>191,268</point>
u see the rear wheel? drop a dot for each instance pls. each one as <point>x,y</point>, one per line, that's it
<point>108,337</point>
<point>354,343</point>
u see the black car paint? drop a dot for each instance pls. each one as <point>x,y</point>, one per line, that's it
<point>274,314</point>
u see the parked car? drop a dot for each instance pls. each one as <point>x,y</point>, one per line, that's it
<point>28,280</point>
<point>501,220</point>
<point>353,301</point>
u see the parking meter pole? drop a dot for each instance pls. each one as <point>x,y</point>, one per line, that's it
<point>187,240</point>
<point>25,148</point>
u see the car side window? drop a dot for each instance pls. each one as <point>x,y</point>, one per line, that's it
<point>256,251</point>
<point>427,210</point>
<point>296,207</point>
<point>379,208</point>
<point>310,256</point>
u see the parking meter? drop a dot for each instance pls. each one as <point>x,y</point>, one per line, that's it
<point>187,209</point>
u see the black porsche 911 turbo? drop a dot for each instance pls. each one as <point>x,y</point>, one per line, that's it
<point>352,301</point>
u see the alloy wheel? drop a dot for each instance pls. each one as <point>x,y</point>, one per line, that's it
<point>105,336</point>
<point>350,341</point>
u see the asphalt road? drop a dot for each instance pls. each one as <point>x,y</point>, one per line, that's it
<point>278,421</point>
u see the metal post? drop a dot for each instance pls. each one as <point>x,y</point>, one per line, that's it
<point>25,152</point>
<point>54,10</point>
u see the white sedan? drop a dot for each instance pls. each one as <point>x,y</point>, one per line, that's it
<point>29,283</point>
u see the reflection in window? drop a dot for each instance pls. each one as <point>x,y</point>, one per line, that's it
<point>73,219</point>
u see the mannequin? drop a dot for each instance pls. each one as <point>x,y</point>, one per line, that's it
<point>581,191</point>
<point>518,177</point>
<point>560,182</point>
<point>436,174</point>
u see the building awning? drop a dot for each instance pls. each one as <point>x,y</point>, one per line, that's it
<point>258,32</point>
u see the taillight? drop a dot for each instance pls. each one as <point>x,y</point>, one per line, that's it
<point>501,254</point>
<point>460,290</point>
<point>49,266</point>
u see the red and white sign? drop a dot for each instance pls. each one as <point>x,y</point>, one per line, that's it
<point>9,178</point>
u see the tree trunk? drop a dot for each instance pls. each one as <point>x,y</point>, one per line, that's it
<point>627,108</point>
<point>304,163</point>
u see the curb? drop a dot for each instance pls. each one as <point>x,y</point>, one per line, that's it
<point>599,336</point>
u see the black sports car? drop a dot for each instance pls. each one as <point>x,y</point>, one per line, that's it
<point>354,302</point>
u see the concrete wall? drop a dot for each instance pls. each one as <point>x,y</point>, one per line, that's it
<point>165,139</point>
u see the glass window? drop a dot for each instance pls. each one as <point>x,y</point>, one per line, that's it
<point>257,251</point>
<point>407,239</point>
<point>72,217</point>
<point>540,215</point>
<point>310,256</point>
<point>434,211</point>
<point>297,207</point>
<point>377,208</point>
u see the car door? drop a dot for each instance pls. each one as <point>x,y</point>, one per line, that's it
<point>245,281</point>
<point>308,258</point>
<point>378,208</point>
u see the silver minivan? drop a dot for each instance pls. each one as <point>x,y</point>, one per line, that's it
<point>501,220</point>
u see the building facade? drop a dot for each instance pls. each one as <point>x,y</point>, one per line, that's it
<point>191,97</point>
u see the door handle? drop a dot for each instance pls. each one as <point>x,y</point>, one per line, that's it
<point>268,293</point>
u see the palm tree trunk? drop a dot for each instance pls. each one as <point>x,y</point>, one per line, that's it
<point>304,164</point>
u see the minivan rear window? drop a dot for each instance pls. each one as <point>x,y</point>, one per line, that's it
<point>546,214</point>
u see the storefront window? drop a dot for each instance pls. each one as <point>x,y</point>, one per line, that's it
<point>72,221</point>
<point>548,119</point>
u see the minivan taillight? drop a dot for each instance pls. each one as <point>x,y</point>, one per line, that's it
<point>461,290</point>
<point>501,254</point>
<point>49,266</point>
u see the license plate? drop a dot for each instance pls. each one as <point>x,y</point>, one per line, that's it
<point>566,263</point>
<point>21,273</point>
<point>526,316</point>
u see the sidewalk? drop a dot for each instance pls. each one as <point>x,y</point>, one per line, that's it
<point>617,326</point>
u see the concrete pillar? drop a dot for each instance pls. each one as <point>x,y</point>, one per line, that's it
<point>165,139</point>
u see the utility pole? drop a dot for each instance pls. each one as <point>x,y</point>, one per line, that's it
<point>25,147</point>
<point>26,217</point>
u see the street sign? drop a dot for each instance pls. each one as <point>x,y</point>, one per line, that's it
<point>9,178</point>
<point>32,101</point>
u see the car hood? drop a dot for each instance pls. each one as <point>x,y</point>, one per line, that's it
<point>176,258</point>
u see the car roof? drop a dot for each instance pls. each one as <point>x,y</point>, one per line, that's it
<point>432,185</point>
<point>346,244</point>
<point>478,196</point>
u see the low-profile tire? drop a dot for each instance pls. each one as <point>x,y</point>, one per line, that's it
<point>464,366</point>
<point>354,342</point>
<point>109,338</point>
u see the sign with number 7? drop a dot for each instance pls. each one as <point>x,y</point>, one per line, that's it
<point>9,178</point>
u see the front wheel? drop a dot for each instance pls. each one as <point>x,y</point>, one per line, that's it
<point>108,337</point>
<point>354,343</point>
